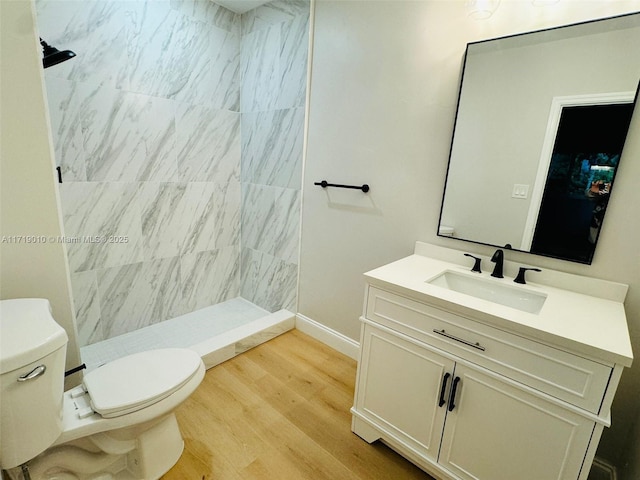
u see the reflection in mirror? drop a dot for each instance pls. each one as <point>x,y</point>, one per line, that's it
<point>540,128</point>
<point>586,152</point>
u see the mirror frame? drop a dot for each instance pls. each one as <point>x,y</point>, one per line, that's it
<point>632,102</point>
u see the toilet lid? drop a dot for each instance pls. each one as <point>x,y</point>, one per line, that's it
<point>139,380</point>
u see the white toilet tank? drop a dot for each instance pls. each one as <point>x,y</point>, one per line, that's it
<point>32,362</point>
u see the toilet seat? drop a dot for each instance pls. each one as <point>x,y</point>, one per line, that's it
<point>136,381</point>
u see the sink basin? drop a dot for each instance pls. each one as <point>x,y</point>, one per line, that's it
<point>488,289</point>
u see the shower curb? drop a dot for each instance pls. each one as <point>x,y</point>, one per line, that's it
<point>227,345</point>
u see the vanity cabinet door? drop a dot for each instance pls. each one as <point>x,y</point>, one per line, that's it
<point>498,432</point>
<point>400,385</point>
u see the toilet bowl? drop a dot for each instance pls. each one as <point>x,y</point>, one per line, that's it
<point>117,425</point>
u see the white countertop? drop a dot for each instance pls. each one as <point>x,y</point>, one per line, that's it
<point>588,325</point>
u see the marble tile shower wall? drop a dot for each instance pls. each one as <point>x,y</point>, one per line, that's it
<point>274,71</point>
<point>147,131</point>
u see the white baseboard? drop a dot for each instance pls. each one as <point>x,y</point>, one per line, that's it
<point>328,336</point>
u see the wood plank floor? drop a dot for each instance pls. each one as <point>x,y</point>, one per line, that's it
<point>281,411</point>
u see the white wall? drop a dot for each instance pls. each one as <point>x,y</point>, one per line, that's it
<point>384,88</point>
<point>28,194</point>
<point>378,113</point>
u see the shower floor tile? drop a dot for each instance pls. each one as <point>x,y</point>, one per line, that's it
<point>183,331</point>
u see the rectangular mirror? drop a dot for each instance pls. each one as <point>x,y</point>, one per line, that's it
<point>540,128</point>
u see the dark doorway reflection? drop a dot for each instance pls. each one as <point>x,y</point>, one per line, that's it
<point>583,165</point>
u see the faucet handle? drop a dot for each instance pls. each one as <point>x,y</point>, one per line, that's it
<point>521,272</point>
<point>476,265</point>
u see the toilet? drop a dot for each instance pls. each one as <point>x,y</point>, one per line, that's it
<point>117,425</point>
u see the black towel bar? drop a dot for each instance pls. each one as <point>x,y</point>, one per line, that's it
<point>325,184</point>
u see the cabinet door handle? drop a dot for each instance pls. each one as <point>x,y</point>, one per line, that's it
<point>444,387</point>
<point>458,339</point>
<point>452,397</point>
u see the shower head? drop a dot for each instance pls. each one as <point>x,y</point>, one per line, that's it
<point>53,56</point>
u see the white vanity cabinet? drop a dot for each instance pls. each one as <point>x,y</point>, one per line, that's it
<point>500,432</point>
<point>466,400</point>
<point>399,389</point>
<point>488,430</point>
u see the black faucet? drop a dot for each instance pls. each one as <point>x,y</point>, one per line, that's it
<point>476,264</point>
<point>498,259</point>
<point>520,278</point>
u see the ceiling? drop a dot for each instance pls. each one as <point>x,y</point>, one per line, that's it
<point>240,6</point>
